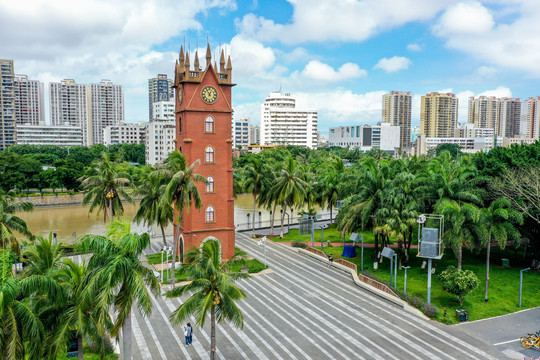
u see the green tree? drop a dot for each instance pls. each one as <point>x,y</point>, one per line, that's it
<point>214,292</point>
<point>256,179</point>
<point>9,222</point>
<point>105,186</point>
<point>332,182</point>
<point>117,277</point>
<point>459,282</point>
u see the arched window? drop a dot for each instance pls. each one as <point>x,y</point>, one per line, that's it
<point>209,124</point>
<point>180,124</point>
<point>210,214</point>
<point>209,158</point>
<point>209,184</point>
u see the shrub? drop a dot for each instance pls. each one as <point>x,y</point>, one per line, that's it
<point>458,282</point>
<point>107,344</point>
<point>298,244</point>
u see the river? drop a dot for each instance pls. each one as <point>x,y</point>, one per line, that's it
<point>66,220</point>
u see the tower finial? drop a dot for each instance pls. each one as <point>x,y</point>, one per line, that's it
<point>196,61</point>
<point>222,62</point>
<point>208,54</point>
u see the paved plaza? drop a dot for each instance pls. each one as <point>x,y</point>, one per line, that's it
<point>304,310</point>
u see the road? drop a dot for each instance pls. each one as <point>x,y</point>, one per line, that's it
<point>304,310</point>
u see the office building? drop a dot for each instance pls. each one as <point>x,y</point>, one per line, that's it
<point>470,131</point>
<point>467,145</point>
<point>396,111</point>
<point>57,135</point>
<point>163,110</point>
<point>106,108</point>
<point>68,103</point>
<point>282,123</point>
<point>125,134</point>
<point>240,133</point>
<point>384,136</point>
<point>254,134</point>
<point>29,101</point>
<point>7,103</point>
<point>159,89</point>
<point>438,115</point>
<point>159,140</point>
<point>484,111</point>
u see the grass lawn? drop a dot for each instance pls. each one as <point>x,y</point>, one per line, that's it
<point>330,234</point>
<point>503,285</point>
<point>88,355</point>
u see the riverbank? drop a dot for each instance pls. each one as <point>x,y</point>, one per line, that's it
<point>58,200</point>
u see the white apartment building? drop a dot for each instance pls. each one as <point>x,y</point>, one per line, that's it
<point>163,110</point>
<point>254,134</point>
<point>160,140</point>
<point>510,118</point>
<point>470,131</point>
<point>240,133</point>
<point>396,111</point>
<point>282,123</point>
<point>528,122</point>
<point>7,103</point>
<point>106,108</point>
<point>68,103</point>
<point>467,145</point>
<point>384,136</point>
<point>29,101</point>
<point>58,135</point>
<point>125,134</point>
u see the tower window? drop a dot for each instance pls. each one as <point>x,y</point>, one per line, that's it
<point>209,124</point>
<point>210,184</point>
<point>210,214</point>
<point>209,158</point>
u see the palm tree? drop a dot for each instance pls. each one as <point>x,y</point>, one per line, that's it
<point>289,188</point>
<point>10,222</point>
<point>499,219</point>
<point>182,192</point>
<point>213,290</point>
<point>152,210</point>
<point>464,226</point>
<point>105,186</point>
<point>117,276</point>
<point>256,179</point>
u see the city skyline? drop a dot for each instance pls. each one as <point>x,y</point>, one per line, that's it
<point>340,67</point>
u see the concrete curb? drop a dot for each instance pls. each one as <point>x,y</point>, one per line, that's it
<point>401,303</point>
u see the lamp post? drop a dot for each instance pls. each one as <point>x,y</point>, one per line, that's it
<point>521,283</point>
<point>248,220</point>
<point>322,238</point>
<point>405,281</point>
<point>263,244</point>
<point>162,250</point>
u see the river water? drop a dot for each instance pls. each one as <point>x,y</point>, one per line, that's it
<point>66,220</point>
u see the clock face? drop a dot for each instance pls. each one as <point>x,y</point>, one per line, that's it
<point>209,94</point>
<point>180,95</point>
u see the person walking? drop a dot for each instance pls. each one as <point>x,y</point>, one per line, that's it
<point>330,260</point>
<point>187,333</point>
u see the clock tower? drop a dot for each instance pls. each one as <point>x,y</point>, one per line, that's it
<point>203,133</point>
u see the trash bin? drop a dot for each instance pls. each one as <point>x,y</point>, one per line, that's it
<point>462,315</point>
<point>505,262</point>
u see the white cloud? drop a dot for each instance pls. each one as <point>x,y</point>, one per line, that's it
<point>512,43</point>
<point>250,57</point>
<point>414,47</point>
<point>486,71</point>
<point>501,91</point>
<point>393,64</point>
<point>317,70</point>
<point>341,20</point>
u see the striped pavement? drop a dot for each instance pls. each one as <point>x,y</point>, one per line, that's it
<point>304,310</point>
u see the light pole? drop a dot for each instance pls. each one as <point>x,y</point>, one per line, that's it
<point>263,244</point>
<point>248,221</point>
<point>322,238</point>
<point>405,282</point>
<point>162,250</point>
<point>169,252</point>
<point>521,283</point>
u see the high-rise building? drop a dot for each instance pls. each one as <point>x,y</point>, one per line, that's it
<point>7,103</point>
<point>484,111</point>
<point>29,101</point>
<point>106,108</point>
<point>438,115</point>
<point>529,108</point>
<point>535,126</point>
<point>163,110</point>
<point>68,103</point>
<point>254,134</point>
<point>397,112</point>
<point>203,134</point>
<point>159,89</point>
<point>282,123</point>
<point>510,118</point>
<point>240,132</point>
<point>159,140</point>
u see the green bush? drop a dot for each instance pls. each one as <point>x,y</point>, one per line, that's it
<point>458,282</point>
<point>298,244</point>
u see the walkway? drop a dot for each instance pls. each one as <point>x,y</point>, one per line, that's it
<point>304,310</point>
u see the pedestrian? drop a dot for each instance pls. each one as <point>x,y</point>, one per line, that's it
<point>190,333</point>
<point>330,260</point>
<point>187,333</point>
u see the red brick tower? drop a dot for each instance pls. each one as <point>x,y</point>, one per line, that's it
<point>203,132</point>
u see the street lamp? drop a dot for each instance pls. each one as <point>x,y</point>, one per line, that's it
<point>405,282</point>
<point>262,242</point>
<point>521,283</point>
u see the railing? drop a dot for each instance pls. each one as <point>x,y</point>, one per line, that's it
<point>265,224</point>
<point>316,251</point>
<point>348,264</point>
<point>377,285</point>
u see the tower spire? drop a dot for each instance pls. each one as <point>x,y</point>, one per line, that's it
<point>208,54</point>
<point>181,57</point>
<point>187,61</point>
<point>196,61</point>
<point>222,62</point>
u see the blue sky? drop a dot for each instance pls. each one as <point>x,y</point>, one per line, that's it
<point>338,56</point>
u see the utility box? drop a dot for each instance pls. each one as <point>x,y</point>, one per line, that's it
<point>462,315</point>
<point>505,262</point>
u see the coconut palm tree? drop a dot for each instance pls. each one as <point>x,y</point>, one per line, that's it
<point>182,193</point>
<point>332,183</point>
<point>152,210</point>
<point>256,180</point>
<point>212,288</point>
<point>499,219</point>
<point>9,222</point>
<point>105,186</point>
<point>117,277</point>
